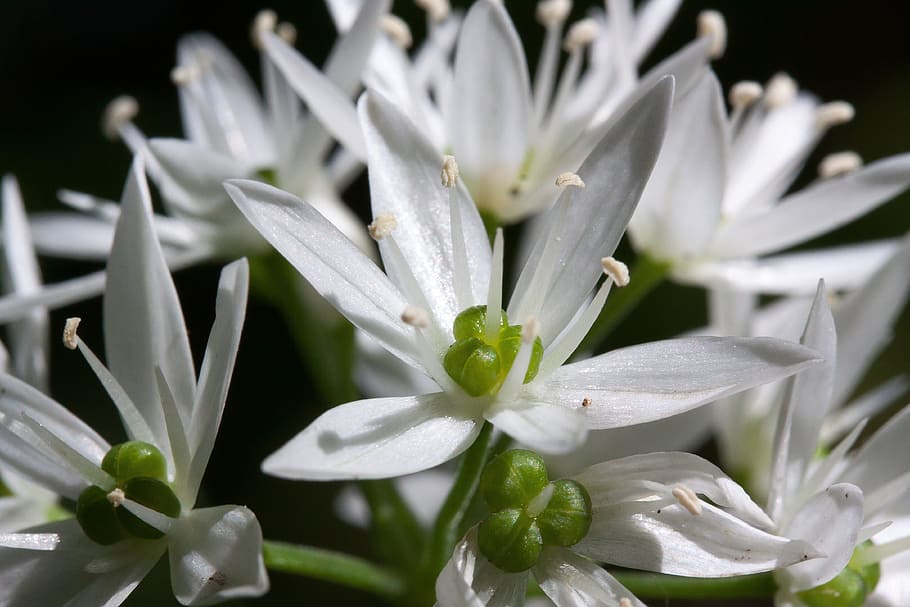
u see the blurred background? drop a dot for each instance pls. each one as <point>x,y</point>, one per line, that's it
<point>61,62</point>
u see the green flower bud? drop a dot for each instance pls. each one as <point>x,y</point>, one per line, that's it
<point>566,519</point>
<point>98,518</point>
<point>849,588</point>
<point>871,573</point>
<point>474,365</point>
<point>510,342</point>
<point>151,493</point>
<point>134,458</point>
<point>472,322</point>
<point>510,540</point>
<point>512,479</point>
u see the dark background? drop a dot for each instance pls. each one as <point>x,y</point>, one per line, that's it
<point>61,62</point>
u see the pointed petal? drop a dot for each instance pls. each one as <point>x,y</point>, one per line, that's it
<point>19,455</point>
<point>335,267</point>
<point>655,380</point>
<point>541,425</point>
<point>71,235</point>
<point>651,21</point>
<point>830,521</point>
<point>883,457</point>
<point>470,580</point>
<point>215,555</point>
<point>815,210</point>
<point>376,438</point>
<point>573,581</point>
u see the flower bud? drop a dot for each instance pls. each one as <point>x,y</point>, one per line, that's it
<point>134,458</point>
<point>98,517</point>
<point>849,588</point>
<point>510,540</point>
<point>566,519</point>
<point>474,365</point>
<point>472,321</point>
<point>512,479</point>
<point>151,493</point>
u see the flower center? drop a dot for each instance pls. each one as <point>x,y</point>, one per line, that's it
<point>528,512</point>
<point>851,586</point>
<point>140,474</point>
<point>480,364</point>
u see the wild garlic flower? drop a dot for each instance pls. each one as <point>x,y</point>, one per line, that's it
<point>716,216</point>
<point>430,309</point>
<point>134,500</point>
<point>643,511</point>
<point>511,141</point>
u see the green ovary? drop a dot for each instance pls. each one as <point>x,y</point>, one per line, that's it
<point>478,365</point>
<point>849,588</point>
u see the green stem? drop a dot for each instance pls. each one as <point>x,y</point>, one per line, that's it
<point>448,522</point>
<point>335,567</point>
<point>398,537</point>
<point>644,276</point>
<point>660,586</point>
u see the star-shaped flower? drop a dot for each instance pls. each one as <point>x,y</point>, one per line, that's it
<point>134,500</point>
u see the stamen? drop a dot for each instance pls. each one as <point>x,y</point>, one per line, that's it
<point>540,501</point>
<point>416,317</point>
<point>712,25</point>
<point>874,554</point>
<point>264,21</point>
<point>567,179</point>
<point>437,10</point>
<point>841,163</point>
<point>494,290</point>
<point>553,13</point>
<point>687,499</point>
<point>745,93</point>
<point>184,74</point>
<point>397,30</point>
<point>382,226</point>
<point>530,330</point>
<point>625,602</point>
<point>616,270</point>
<point>450,171</point>
<point>287,31</point>
<point>118,112</point>
<point>833,114</point>
<point>780,91</point>
<point>581,34</point>
<point>116,497</point>
<point>70,337</point>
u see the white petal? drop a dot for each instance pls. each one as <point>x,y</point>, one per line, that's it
<point>379,374</point>
<point>883,457</point>
<point>335,267</point>
<point>423,492</point>
<point>215,555</point>
<point>143,321</point>
<point>470,580</point>
<point>217,367</point>
<point>72,235</point>
<point>655,380</point>
<point>376,438</point>
<point>541,425</point>
<point>19,455</point>
<point>815,210</point>
<point>573,581</point>
<point>491,112</point>
<point>651,20</point>
<point>830,522</point>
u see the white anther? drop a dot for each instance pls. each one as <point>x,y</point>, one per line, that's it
<point>287,31</point>
<point>780,91</point>
<point>449,171</point>
<point>625,602</point>
<point>581,34</point>
<point>840,163</point>
<point>552,13</point>
<point>382,226</point>
<point>616,270</point>
<point>117,113</point>
<point>397,30</point>
<point>184,74</point>
<point>416,317</point>
<point>567,179</point>
<point>745,93</point>
<point>530,329</point>
<point>712,25</point>
<point>264,21</point>
<point>833,113</point>
<point>116,497</point>
<point>70,337</point>
<point>436,9</point>
<point>687,499</point>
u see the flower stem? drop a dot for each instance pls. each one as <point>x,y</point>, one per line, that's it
<point>398,537</point>
<point>645,275</point>
<point>451,515</point>
<point>331,566</point>
<point>660,586</point>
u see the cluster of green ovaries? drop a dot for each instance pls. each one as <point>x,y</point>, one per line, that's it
<point>851,586</point>
<point>480,364</point>
<point>140,473</point>
<point>527,512</point>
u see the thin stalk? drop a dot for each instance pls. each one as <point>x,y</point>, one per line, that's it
<point>398,538</point>
<point>660,586</point>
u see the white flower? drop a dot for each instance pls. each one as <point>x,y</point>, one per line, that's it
<point>647,514</point>
<point>716,215</point>
<point>437,256</point>
<point>215,553</point>
<point>511,141</point>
